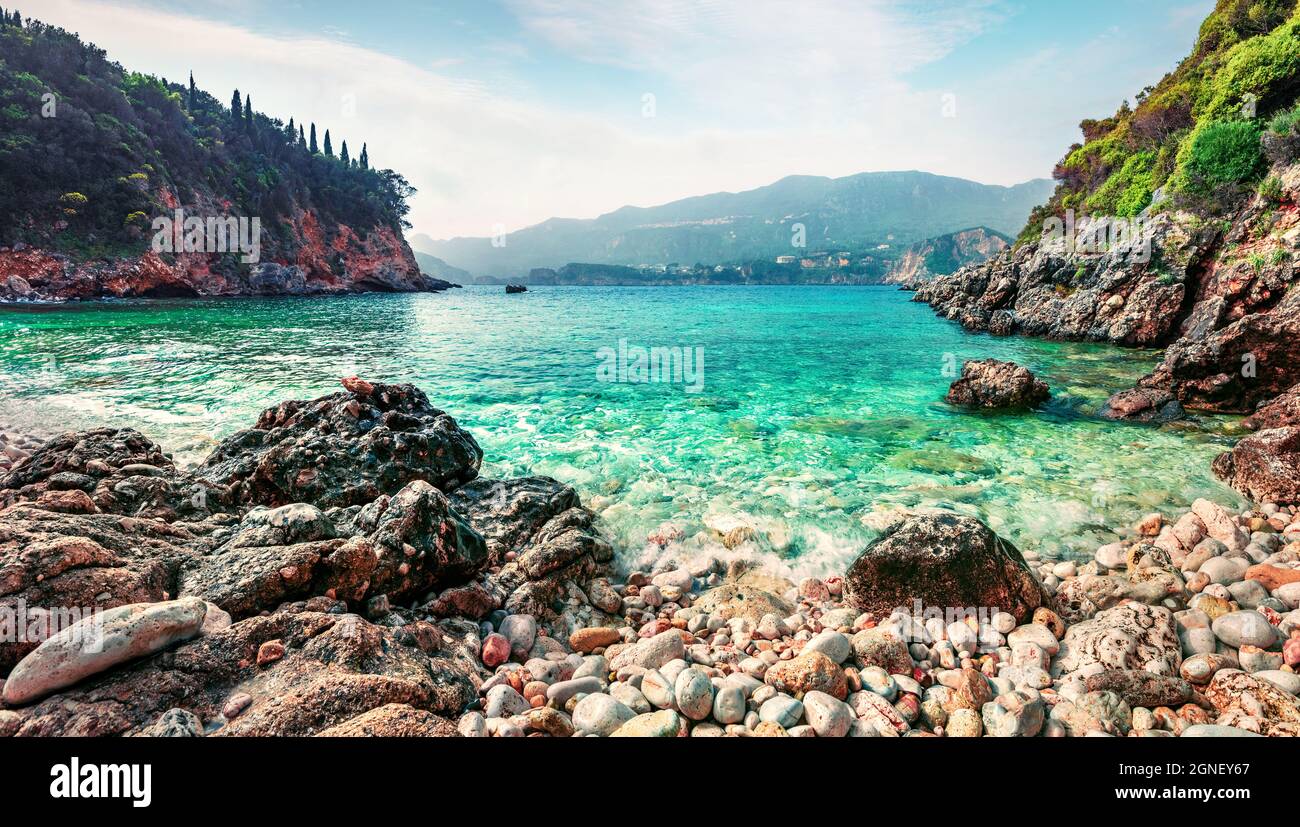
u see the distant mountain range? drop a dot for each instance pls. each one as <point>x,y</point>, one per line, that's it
<point>433,266</point>
<point>854,214</point>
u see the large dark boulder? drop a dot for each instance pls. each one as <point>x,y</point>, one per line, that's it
<point>1145,403</point>
<point>992,384</point>
<point>944,561</point>
<point>420,543</point>
<point>508,513</point>
<point>1264,466</point>
<point>344,449</point>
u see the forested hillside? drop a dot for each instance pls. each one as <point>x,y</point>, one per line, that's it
<point>91,153</point>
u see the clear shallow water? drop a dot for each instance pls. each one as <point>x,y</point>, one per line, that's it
<point>819,405</point>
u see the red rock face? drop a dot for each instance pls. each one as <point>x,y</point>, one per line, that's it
<point>316,260</point>
<point>1264,466</point>
<point>1282,411</point>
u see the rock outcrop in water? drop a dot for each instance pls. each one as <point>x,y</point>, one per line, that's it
<point>1217,295</point>
<point>992,384</point>
<point>1051,289</point>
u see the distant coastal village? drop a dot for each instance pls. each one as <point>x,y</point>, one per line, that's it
<point>874,263</point>
<point>820,267</point>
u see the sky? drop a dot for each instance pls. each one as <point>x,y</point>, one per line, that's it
<point>503,113</point>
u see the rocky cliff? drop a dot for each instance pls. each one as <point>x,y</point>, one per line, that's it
<point>945,254</point>
<point>1218,295</point>
<point>380,262</point>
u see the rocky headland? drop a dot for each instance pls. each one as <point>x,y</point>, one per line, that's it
<point>124,185</point>
<point>341,569</point>
<point>1218,296</point>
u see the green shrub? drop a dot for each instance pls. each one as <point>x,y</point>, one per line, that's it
<point>1284,122</point>
<point>1271,189</point>
<point>1261,66</point>
<point>1223,152</point>
<point>1128,191</point>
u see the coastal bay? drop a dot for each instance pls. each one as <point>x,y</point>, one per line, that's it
<point>819,408</point>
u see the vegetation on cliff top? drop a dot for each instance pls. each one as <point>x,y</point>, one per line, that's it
<point>91,153</point>
<point>1195,135</point>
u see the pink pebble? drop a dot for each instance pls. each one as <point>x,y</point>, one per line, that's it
<point>1291,652</point>
<point>496,650</point>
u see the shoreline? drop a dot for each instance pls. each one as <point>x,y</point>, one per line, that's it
<point>541,635</point>
<point>115,300</point>
<point>16,446</point>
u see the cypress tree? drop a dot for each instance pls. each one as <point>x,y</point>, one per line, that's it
<point>194,94</point>
<point>248,113</point>
<point>365,157</point>
<point>311,146</point>
<point>302,137</point>
<point>329,149</point>
<point>236,109</point>
<point>343,155</point>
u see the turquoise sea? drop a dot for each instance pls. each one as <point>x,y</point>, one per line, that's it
<point>818,406</point>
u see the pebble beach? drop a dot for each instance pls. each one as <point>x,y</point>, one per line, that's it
<point>707,652</point>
